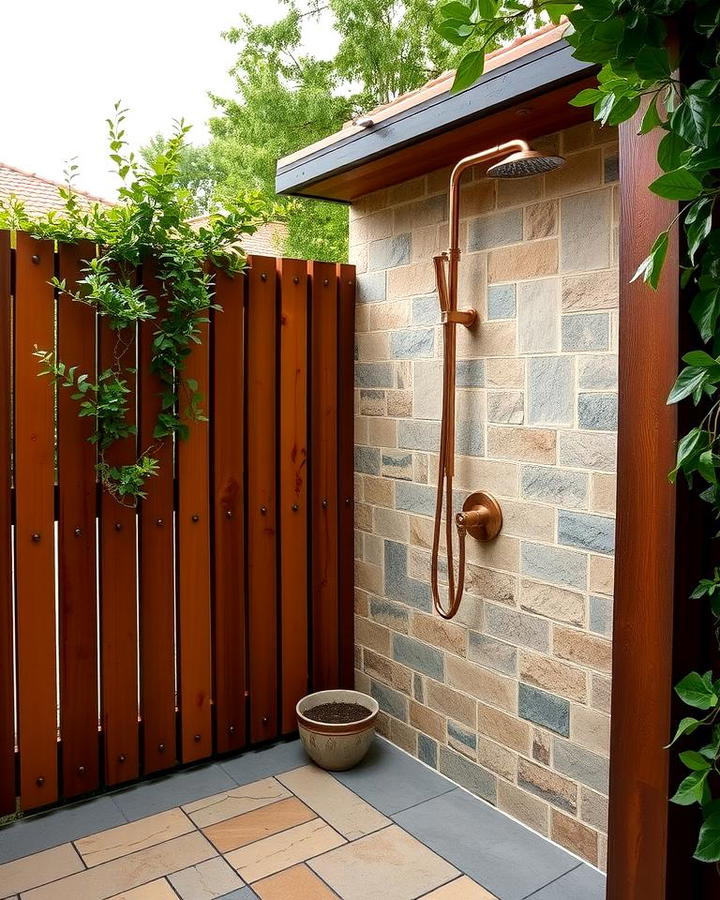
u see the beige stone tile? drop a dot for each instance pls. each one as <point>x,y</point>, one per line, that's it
<point>524,807</point>
<point>260,823</point>
<point>601,574</point>
<point>438,632</point>
<point>488,686</point>
<point>496,758</point>
<point>155,890</point>
<point>599,290</point>
<point>547,785</point>
<point>403,736</point>
<point>593,808</point>
<point>298,881</point>
<point>582,648</point>
<point>502,553</point>
<point>575,836</point>
<point>533,260</point>
<point>591,729</point>
<point>553,602</point>
<point>541,220</point>
<point>340,807</point>
<point>387,865</point>
<point>603,493</point>
<point>505,373</point>
<point>427,721</point>
<point>370,634</point>
<point>553,676</point>
<point>528,520</point>
<point>581,172</point>
<point>38,868</point>
<point>106,845</point>
<point>524,444</point>
<point>270,855</point>
<point>128,872</point>
<point>388,671</point>
<point>600,693</point>
<point>503,728</point>
<point>206,881</point>
<point>463,888</point>
<point>451,703</point>
<point>487,340</point>
<point>410,281</point>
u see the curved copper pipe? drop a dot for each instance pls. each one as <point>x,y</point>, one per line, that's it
<point>446,273</point>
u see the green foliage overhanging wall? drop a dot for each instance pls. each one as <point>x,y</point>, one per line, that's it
<point>149,223</point>
<point>632,41</point>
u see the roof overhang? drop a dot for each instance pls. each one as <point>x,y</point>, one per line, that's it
<point>524,98</point>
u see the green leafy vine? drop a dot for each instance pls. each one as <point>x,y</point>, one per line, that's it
<point>149,223</point>
<point>631,40</point>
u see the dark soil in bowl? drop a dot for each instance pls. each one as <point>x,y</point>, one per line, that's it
<point>337,713</point>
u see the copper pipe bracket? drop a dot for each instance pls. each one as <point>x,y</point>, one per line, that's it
<point>481,517</point>
<point>466,317</point>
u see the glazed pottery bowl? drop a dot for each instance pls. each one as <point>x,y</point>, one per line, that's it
<point>336,746</point>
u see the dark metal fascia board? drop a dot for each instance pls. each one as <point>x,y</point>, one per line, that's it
<point>529,75</point>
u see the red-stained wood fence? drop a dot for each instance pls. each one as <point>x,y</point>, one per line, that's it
<point>134,640</point>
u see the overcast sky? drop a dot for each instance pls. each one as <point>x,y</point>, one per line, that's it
<point>63,63</point>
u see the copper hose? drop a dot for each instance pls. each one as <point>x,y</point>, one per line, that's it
<point>451,317</point>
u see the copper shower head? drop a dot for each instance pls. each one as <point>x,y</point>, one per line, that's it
<point>525,163</point>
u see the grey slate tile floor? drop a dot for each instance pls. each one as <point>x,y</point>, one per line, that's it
<point>504,857</point>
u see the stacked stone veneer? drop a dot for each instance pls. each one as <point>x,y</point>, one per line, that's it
<point>511,698</point>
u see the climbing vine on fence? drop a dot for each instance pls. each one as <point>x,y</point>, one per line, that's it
<point>632,40</point>
<point>149,223</point>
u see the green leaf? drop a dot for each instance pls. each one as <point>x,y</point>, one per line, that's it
<point>693,119</point>
<point>557,10</point>
<point>470,69</point>
<point>651,119</point>
<point>694,690</point>
<point>700,358</point>
<point>587,97</point>
<point>651,267</point>
<point>689,382</point>
<point>487,9</point>
<point>708,845</point>
<point>686,726</point>
<point>671,150</point>
<point>652,64</point>
<point>677,185</point>
<point>454,31</point>
<point>692,789</point>
<point>695,761</point>
<point>455,10</point>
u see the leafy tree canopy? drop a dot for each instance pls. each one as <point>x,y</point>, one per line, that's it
<point>286,98</point>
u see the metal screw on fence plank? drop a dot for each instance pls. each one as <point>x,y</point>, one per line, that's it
<point>265,720</point>
<point>118,526</point>
<point>77,532</point>
<point>161,748</point>
<point>159,522</point>
<point>263,510</point>
<point>196,517</point>
<point>325,282</point>
<point>35,258</point>
<point>324,504</point>
<point>228,514</point>
<point>263,276</point>
<point>36,537</point>
<point>81,770</point>
<point>296,280</point>
<point>348,501</point>
<point>196,738</point>
<point>231,729</point>
<point>122,758</point>
<point>40,781</point>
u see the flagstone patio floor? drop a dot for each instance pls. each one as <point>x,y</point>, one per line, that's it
<point>268,824</point>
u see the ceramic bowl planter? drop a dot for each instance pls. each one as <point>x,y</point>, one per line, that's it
<point>331,744</point>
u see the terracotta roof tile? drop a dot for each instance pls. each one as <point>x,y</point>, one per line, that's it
<point>266,241</point>
<point>40,195</point>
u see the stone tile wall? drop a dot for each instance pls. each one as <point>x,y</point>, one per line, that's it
<point>510,699</point>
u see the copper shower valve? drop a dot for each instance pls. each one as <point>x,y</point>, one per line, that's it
<point>481,517</point>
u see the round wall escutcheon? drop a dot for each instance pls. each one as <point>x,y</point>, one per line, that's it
<point>481,516</point>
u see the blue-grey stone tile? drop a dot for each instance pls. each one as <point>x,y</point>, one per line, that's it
<point>501,302</point>
<point>598,412</point>
<point>601,615</point>
<point>544,709</point>
<point>390,252</point>
<point>556,565</point>
<point>244,893</point>
<point>397,584</point>
<point>389,700</point>
<point>470,438</point>
<point>551,390</point>
<point>375,375</point>
<point>517,627</point>
<point>416,498</point>
<point>598,372</point>
<point>468,774</point>
<point>586,331</point>
<point>583,765</point>
<point>397,464</point>
<point>427,750</point>
<point>40,832</point>
<point>256,764</point>
<point>372,403</point>
<point>586,531</point>
<point>371,287</point>
<point>470,373</point>
<point>495,654</point>
<point>582,883</point>
<point>496,230</point>
<point>418,656</point>
<point>413,343</point>
<point>160,794</point>
<point>503,856</point>
<point>611,168</point>
<point>386,612</point>
<point>557,486</point>
<point>367,460</point>
<point>418,435</point>
<point>418,688</point>
<point>425,310</point>
<point>458,735</point>
<point>391,780</point>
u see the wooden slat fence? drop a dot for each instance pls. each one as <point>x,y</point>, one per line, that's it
<point>134,640</point>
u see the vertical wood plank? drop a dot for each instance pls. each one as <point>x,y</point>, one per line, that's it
<point>346,443</point>
<point>193,563</point>
<point>118,588</point>
<point>34,484</point>
<point>8,787</point>
<point>324,478</point>
<point>261,493</point>
<point>293,486</point>
<point>157,590</point>
<point>77,579</point>
<point>228,552</point>
<point>643,632</point>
